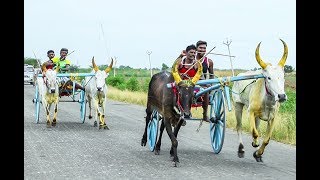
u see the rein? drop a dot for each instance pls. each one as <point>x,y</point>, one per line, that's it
<point>175,91</point>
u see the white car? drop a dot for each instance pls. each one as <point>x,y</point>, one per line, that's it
<point>29,73</point>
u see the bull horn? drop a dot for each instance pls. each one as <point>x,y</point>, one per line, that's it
<point>197,76</point>
<point>285,54</point>
<point>94,66</point>
<point>258,58</point>
<point>175,72</point>
<point>108,69</point>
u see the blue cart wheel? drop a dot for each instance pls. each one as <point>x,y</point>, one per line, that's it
<point>152,129</point>
<point>83,103</point>
<point>217,120</point>
<point>36,101</point>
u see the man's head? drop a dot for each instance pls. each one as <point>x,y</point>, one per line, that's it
<point>191,52</point>
<point>201,47</point>
<point>50,54</point>
<point>63,53</point>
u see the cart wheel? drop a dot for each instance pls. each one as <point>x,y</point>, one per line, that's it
<point>152,129</point>
<point>217,120</point>
<point>83,108</point>
<point>36,101</point>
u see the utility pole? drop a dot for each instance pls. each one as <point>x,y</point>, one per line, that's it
<point>228,44</point>
<point>149,53</point>
<point>114,64</point>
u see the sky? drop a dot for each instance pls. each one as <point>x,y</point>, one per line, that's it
<point>127,30</point>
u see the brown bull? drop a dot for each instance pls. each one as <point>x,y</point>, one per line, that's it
<point>172,103</point>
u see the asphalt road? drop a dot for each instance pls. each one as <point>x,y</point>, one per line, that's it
<point>73,150</point>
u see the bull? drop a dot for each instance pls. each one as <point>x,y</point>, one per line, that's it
<point>171,97</point>
<point>96,93</point>
<point>262,97</point>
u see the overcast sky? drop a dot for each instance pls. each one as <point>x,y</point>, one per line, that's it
<point>128,29</point>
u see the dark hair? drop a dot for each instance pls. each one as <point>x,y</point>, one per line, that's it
<point>64,49</point>
<point>192,46</point>
<point>200,42</point>
<point>50,51</point>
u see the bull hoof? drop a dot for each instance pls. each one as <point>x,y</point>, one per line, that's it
<point>254,145</point>
<point>95,124</point>
<point>54,123</point>
<point>90,117</point>
<point>175,164</point>
<point>240,154</point>
<point>257,157</point>
<point>106,127</point>
<point>143,142</point>
<point>48,125</point>
<point>157,151</point>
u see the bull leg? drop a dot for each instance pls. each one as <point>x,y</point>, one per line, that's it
<point>96,113</point>
<point>90,107</point>
<point>158,145</point>
<point>255,133</point>
<point>238,112</point>
<point>175,133</point>
<point>47,108</point>
<point>205,104</point>
<point>174,142</point>
<point>258,154</point>
<point>102,117</point>
<point>54,120</point>
<point>148,117</point>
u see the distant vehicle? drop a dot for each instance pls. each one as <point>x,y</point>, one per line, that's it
<point>29,73</point>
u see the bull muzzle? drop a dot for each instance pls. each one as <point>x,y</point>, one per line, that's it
<point>52,90</point>
<point>282,97</point>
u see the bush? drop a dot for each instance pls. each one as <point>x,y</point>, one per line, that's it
<point>116,81</point>
<point>133,84</point>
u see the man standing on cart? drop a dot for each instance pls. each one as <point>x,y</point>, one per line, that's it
<point>64,66</point>
<point>207,68</point>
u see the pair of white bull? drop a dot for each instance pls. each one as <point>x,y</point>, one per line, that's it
<point>95,87</point>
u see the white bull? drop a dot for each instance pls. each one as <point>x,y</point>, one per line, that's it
<point>49,93</point>
<point>96,93</point>
<point>262,97</point>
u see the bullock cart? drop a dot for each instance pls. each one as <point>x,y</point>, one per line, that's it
<point>219,99</point>
<point>75,95</point>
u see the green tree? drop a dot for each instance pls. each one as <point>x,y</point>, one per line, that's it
<point>164,67</point>
<point>288,69</point>
<point>31,61</point>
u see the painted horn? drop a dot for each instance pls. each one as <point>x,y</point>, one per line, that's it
<point>94,66</point>
<point>285,54</point>
<point>108,69</point>
<point>175,72</point>
<point>197,76</point>
<point>258,58</point>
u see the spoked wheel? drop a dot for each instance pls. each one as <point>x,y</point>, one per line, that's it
<point>217,120</point>
<point>152,130</point>
<point>36,102</point>
<point>83,108</point>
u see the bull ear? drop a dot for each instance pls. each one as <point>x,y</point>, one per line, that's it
<point>174,71</point>
<point>285,54</point>
<point>258,58</point>
<point>108,69</point>
<point>94,66</point>
<point>197,76</point>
